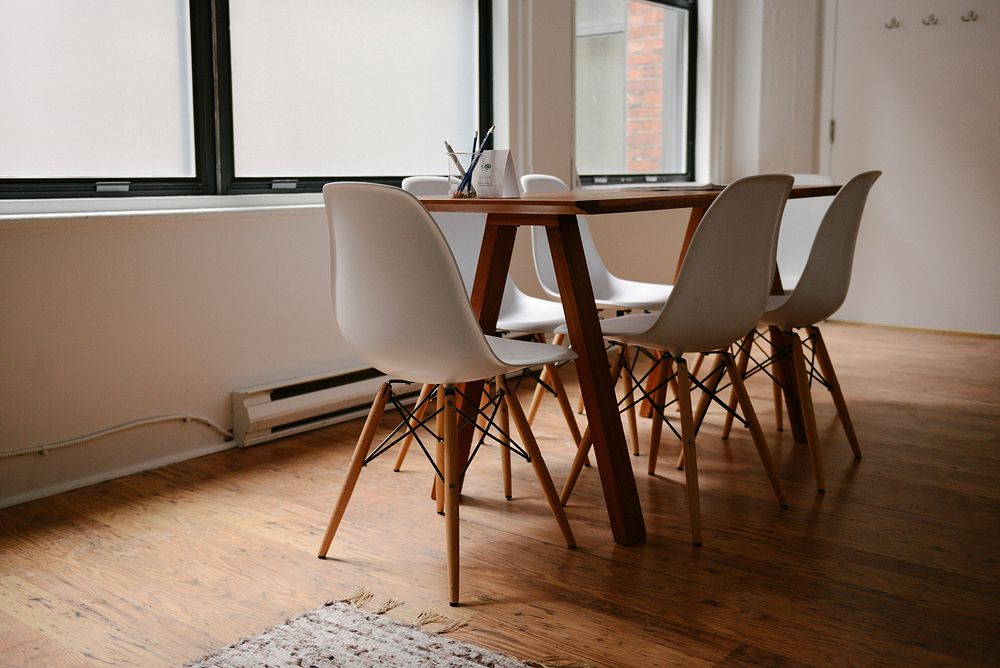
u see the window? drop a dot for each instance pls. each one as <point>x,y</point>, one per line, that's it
<point>102,97</point>
<point>635,69</point>
<point>199,97</point>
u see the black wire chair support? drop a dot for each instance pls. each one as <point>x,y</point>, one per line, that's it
<point>702,385</point>
<point>410,425</point>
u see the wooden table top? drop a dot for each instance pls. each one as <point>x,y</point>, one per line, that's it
<point>597,201</point>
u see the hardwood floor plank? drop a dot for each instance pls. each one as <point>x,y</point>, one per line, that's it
<point>897,564</point>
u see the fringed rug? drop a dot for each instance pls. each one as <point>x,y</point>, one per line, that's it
<point>339,634</point>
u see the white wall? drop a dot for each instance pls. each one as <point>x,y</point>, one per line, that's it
<point>110,318</point>
<point>921,103</point>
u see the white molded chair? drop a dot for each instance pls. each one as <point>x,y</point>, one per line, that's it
<point>817,294</point>
<point>422,331</point>
<point>799,225</point>
<point>519,312</point>
<point>720,293</point>
<point>609,290</point>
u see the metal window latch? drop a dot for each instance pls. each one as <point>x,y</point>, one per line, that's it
<point>284,184</point>
<point>113,186</point>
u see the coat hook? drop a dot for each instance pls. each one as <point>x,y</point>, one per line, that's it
<point>893,23</point>
<point>930,20</point>
<point>971,16</point>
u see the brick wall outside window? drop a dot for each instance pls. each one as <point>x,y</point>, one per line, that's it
<point>644,88</point>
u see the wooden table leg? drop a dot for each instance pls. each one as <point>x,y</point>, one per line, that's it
<point>784,371</point>
<point>610,449</point>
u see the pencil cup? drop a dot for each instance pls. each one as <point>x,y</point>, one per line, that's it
<point>458,165</point>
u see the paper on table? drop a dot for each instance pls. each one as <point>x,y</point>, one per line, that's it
<point>684,186</point>
<point>495,175</point>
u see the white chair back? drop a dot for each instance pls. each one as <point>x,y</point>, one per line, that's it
<point>462,231</point>
<point>726,277</point>
<point>823,286</point>
<point>397,292</point>
<point>464,234</point>
<point>799,225</point>
<point>600,276</point>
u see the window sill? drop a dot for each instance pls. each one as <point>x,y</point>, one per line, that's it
<point>90,206</point>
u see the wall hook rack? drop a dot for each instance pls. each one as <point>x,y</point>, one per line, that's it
<point>931,20</point>
<point>893,23</point>
<point>971,16</point>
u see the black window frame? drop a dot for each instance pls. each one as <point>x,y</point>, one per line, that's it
<point>691,6</point>
<point>211,64</point>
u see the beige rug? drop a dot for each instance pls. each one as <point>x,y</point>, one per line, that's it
<point>339,634</point>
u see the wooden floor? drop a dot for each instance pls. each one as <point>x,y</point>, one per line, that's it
<point>897,564</point>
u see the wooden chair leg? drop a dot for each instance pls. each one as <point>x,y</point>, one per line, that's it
<point>404,447</point>
<point>451,472</point>
<point>714,378</point>
<point>633,427</point>
<point>826,366</point>
<point>742,360</point>
<point>539,393</point>
<point>806,408</point>
<point>659,399</point>
<point>779,422</point>
<point>550,375</point>
<point>582,450</point>
<point>687,442</point>
<point>759,441</point>
<point>697,364</point>
<point>537,463</point>
<point>655,377</point>
<point>567,411</point>
<point>354,469</point>
<point>504,423</point>
<point>439,454</point>
<point>583,447</point>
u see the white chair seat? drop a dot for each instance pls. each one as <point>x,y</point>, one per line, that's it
<point>529,314</point>
<point>630,327</point>
<point>774,302</point>
<point>623,293</point>
<point>520,354</point>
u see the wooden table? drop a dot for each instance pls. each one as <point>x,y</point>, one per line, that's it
<point>557,212</point>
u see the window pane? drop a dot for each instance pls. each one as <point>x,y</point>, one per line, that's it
<point>600,103</point>
<point>631,87</point>
<point>96,89</point>
<point>348,88</point>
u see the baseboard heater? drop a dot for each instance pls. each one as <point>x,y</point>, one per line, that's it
<point>281,409</point>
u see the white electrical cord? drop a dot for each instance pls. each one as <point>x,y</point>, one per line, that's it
<point>47,447</point>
